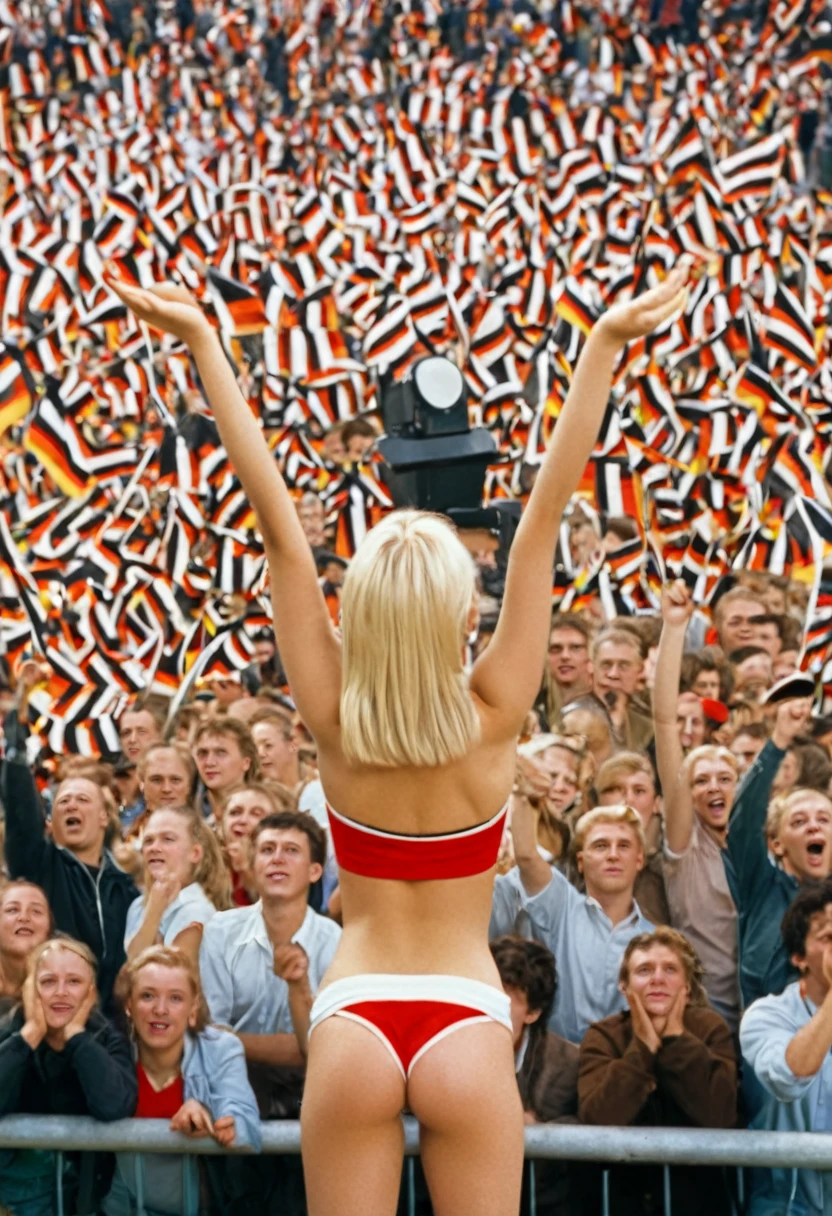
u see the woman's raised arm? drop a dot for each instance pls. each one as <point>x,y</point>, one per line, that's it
<point>308,646</point>
<point>507,675</point>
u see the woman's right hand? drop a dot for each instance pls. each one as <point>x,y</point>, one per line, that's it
<point>530,780</point>
<point>163,891</point>
<point>192,1119</point>
<point>166,307</point>
<point>636,318</point>
<point>34,1027</point>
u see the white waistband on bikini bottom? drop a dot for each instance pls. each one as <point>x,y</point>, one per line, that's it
<point>449,989</point>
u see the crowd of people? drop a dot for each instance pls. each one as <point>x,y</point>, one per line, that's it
<point>661,918</point>
<point>349,186</point>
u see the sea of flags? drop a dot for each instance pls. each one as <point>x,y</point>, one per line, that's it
<point>488,208</point>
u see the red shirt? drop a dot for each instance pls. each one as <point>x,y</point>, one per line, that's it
<point>239,894</point>
<point>158,1104</point>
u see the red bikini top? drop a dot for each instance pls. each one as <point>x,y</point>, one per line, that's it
<point>373,853</point>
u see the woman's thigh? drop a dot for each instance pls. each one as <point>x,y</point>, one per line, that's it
<point>352,1137</point>
<point>464,1093</point>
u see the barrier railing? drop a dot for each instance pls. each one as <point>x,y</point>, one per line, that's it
<point>563,1142</point>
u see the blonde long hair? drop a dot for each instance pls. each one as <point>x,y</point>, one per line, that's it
<point>404,692</point>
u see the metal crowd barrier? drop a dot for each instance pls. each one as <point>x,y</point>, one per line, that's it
<point>560,1142</point>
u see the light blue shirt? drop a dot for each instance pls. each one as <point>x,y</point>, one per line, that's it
<point>191,907</point>
<point>792,1104</point>
<point>236,963</point>
<point>507,914</point>
<point>588,950</point>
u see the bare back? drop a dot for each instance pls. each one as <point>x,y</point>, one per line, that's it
<point>434,927</point>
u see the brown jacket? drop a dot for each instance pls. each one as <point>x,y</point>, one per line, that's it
<point>691,1081</point>
<point>548,1079</point>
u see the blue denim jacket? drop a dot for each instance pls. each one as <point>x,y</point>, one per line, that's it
<point>155,1184</point>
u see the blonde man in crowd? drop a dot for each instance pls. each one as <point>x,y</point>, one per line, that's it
<point>587,933</point>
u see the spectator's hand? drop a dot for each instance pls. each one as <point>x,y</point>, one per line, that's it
<point>224,1130</point>
<point>530,780</point>
<point>675,1024</point>
<point>643,1028</point>
<point>237,849</point>
<point>79,1021</point>
<point>34,1026</point>
<point>167,307</point>
<point>291,963</point>
<point>790,720</point>
<point>529,1118</point>
<point>192,1119</point>
<point>624,323</point>
<point>677,604</point>
<point>163,891</point>
<point>29,675</point>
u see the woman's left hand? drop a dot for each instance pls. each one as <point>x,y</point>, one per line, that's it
<point>224,1130</point>
<point>81,1016</point>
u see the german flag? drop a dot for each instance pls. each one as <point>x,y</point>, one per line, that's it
<point>17,388</point>
<point>789,331</point>
<point>240,310</point>
<point>54,440</point>
<point>819,48</point>
<point>574,308</point>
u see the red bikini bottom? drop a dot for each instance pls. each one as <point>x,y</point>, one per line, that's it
<point>410,1013</point>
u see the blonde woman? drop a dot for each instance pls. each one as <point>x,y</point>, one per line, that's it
<point>186,883</point>
<point>188,1072</point>
<point>418,757</point>
<point>59,1056</point>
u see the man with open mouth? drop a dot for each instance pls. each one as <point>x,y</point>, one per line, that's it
<point>89,894</point>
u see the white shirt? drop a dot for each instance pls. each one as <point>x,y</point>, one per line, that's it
<point>236,963</point>
<point>191,907</point>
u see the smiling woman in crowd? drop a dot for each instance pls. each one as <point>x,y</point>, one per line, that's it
<point>25,923</point>
<point>60,1056</point>
<point>242,809</point>
<point>187,883</point>
<point>188,1072</point>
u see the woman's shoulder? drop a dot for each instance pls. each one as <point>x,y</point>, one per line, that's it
<point>193,896</point>
<point>216,1045</point>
